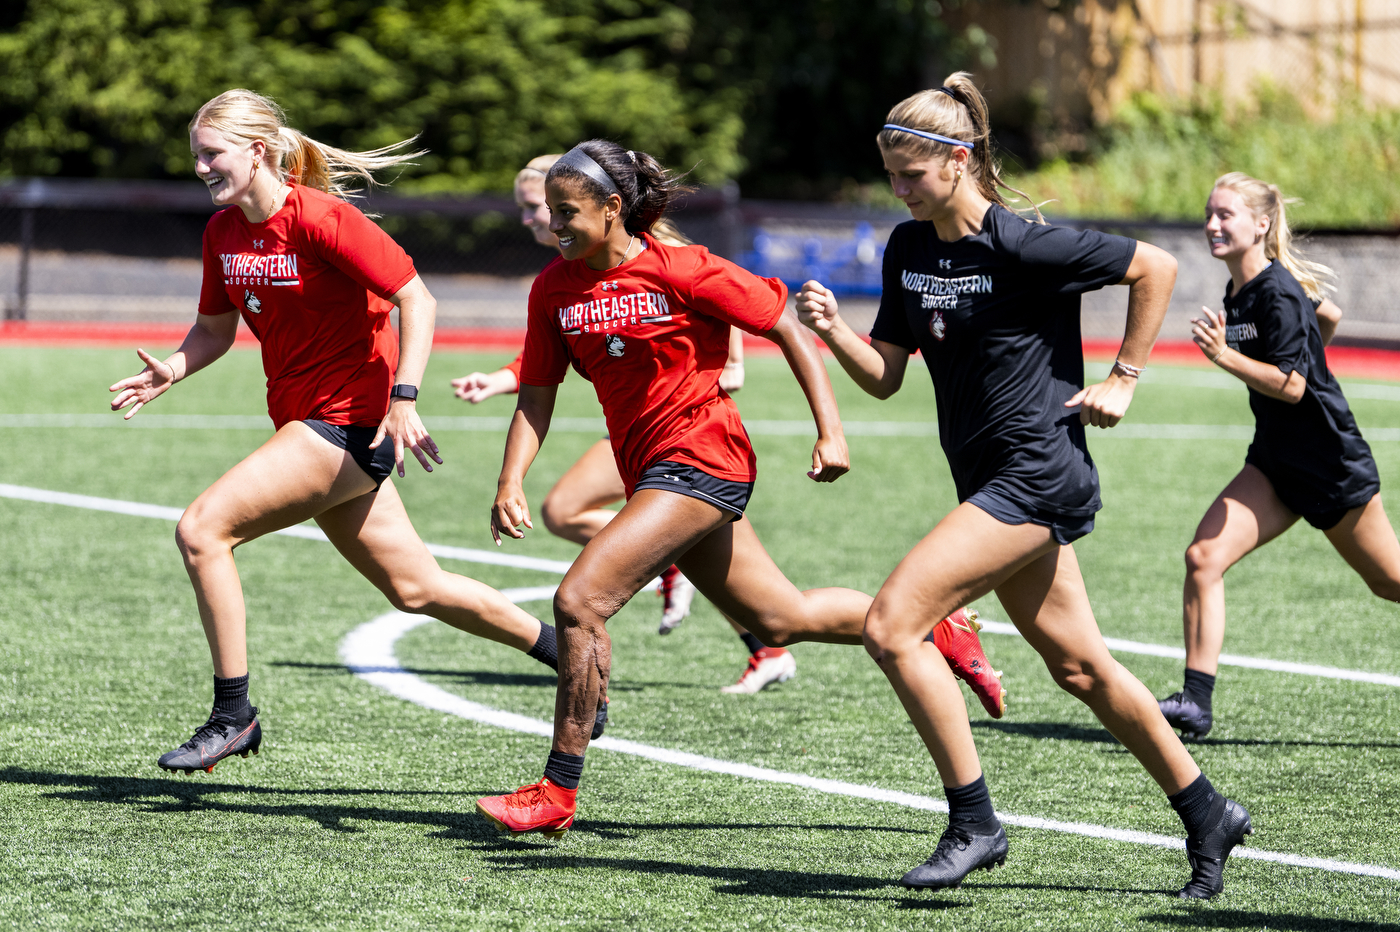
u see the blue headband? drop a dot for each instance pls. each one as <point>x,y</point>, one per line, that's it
<point>934,136</point>
<point>581,161</point>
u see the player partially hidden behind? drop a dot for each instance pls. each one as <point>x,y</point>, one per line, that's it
<point>315,280</point>
<point>650,325</point>
<point>1308,458</point>
<point>575,509</point>
<point>992,300</point>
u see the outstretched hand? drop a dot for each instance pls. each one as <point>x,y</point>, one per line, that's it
<point>143,388</point>
<point>1103,404</point>
<point>1209,333</point>
<point>816,307</point>
<point>509,511</point>
<point>404,427</point>
<point>478,386</point>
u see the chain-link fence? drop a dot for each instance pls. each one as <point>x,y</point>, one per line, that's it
<point>86,250</point>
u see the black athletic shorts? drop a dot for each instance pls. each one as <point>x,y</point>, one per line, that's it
<point>1066,529</point>
<point>724,494</point>
<point>378,464</point>
<point>1303,499</point>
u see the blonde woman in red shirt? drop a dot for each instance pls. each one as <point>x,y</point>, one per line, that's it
<point>315,281</point>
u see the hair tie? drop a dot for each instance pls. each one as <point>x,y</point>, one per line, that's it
<point>632,155</point>
<point>934,136</point>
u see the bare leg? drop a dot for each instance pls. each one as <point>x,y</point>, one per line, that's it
<point>1048,604</point>
<point>293,477</point>
<point>374,533</point>
<point>643,539</point>
<point>1245,516</point>
<point>573,509</point>
<point>1367,542</point>
<point>916,597</point>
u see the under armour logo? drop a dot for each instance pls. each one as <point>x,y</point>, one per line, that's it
<point>945,263</point>
<point>258,243</point>
<point>610,286</point>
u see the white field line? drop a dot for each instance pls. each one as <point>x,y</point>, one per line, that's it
<point>468,555</point>
<point>368,651</point>
<point>588,425</point>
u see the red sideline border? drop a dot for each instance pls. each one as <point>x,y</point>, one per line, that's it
<point>1348,361</point>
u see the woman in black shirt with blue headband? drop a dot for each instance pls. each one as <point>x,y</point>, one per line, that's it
<point>992,300</point>
<point>1308,458</point>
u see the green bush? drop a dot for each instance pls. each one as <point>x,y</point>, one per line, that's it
<point>1158,159</point>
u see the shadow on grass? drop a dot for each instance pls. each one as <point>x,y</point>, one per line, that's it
<point>177,794</point>
<point>1206,918</point>
<point>1068,731</point>
<point>741,881</point>
<point>493,678</point>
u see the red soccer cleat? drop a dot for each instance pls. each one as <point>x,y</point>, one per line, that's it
<point>956,639</point>
<point>540,807</point>
<point>677,593</point>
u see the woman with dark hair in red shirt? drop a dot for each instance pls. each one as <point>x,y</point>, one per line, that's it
<point>648,324</point>
<point>315,281</point>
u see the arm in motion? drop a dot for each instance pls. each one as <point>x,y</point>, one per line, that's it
<point>417,313</point>
<point>877,367</point>
<point>830,458</point>
<point>1267,379</point>
<point>528,428</point>
<point>209,338</point>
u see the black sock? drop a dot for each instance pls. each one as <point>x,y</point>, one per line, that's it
<point>231,695</point>
<point>546,649</point>
<point>1199,686</point>
<point>971,803</point>
<point>564,769</point>
<point>752,643</point>
<point>1199,806</point>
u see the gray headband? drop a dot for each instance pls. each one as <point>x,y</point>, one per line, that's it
<point>581,161</point>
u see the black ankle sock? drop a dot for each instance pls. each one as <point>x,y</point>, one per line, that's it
<point>971,803</point>
<point>752,643</point>
<point>1199,686</point>
<point>564,769</point>
<point>1199,806</point>
<point>546,649</point>
<point>231,695</point>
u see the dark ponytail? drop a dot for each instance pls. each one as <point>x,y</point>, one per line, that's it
<point>645,186</point>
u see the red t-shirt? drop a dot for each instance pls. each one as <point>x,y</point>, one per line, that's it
<point>515,364</point>
<point>653,336</point>
<point>313,283</point>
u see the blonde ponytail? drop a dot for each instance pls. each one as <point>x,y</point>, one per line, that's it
<point>1266,200</point>
<point>243,115</point>
<point>958,111</point>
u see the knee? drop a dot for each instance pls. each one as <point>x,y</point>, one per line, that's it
<point>194,537</point>
<point>1387,588</point>
<point>881,639</point>
<point>771,631</point>
<point>556,514</point>
<point>575,606</point>
<point>1081,679</point>
<point>1203,558</point>
<point>411,596</point>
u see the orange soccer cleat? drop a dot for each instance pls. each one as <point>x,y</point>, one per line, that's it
<point>956,639</point>
<point>540,807</point>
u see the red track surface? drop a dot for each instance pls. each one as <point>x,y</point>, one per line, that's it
<point>1348,361</point>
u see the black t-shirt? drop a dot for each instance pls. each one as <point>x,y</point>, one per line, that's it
<point>1312,452</point>
<point>997,318</point>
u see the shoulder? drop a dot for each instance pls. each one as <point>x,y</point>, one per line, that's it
<point>315,207</point>
<point>222,221</point>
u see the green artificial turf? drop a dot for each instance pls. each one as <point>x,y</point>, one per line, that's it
<point>358,814</point>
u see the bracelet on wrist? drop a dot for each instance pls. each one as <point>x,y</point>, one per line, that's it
<point>1218,355</point>
<point>1130,371</point>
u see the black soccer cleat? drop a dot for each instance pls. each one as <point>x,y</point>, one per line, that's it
<point>600,721</point>
<point>222,736</point>
<point>1182,712</point>
<point>963,848</point>
<point>1207,852</point>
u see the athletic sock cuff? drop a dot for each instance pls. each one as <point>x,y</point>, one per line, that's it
<point>1199,687</point>
<point>970,803</point>
<point>546,649</point>
<point>564,770</point>
<point>231,694</point>
<point>752,643</point>
<point>1199,805</point>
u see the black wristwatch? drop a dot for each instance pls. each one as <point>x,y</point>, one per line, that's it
<point>405,391</point>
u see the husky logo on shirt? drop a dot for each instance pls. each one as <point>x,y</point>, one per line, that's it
<point>937,326</point>
<point>615,345</point>
<point>243,268</point>
<point>251,302</point>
